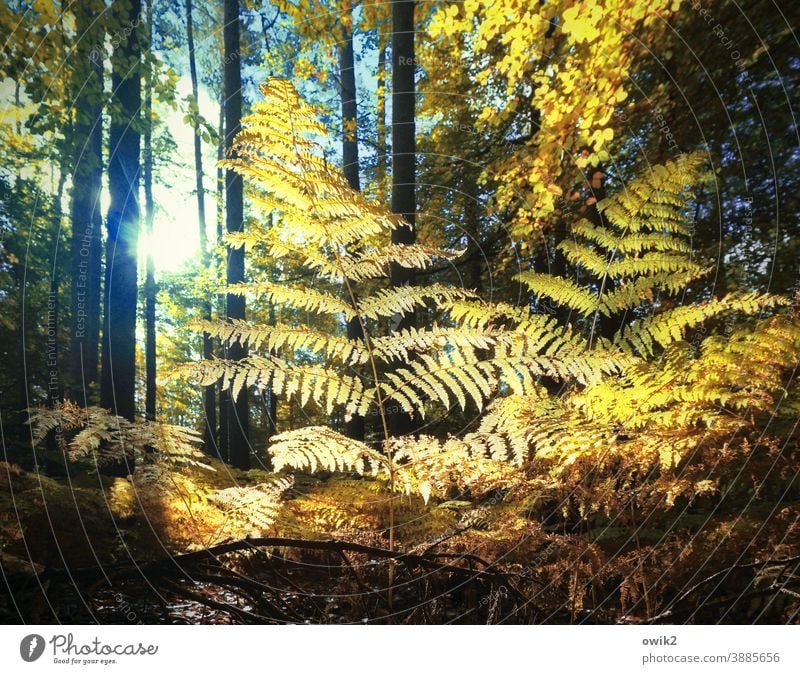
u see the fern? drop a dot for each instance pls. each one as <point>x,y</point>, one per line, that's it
<point>421,466</point>
<point>670,326</point>
<point>320,448</point>
<point>319,222</point>
<point>640,255</point>
<point>106,438</point>
<point>641,412</point>
<point>252,508</point>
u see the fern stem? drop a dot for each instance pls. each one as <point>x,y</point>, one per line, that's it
<point>372,361</point>
<point>384,423</point>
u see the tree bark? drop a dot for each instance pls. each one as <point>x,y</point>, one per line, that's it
<point>354,427</point>
<point>149,206</point>
<point>54,388</point>
<point>403,170</point>
<point>118,380</point>
<point>209,398</point>
<point>86,218</point>
<point>222,429</point>
<point>238,410</point>
<point>380,165</point>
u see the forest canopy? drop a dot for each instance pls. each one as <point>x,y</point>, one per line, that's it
<point>399,312</point>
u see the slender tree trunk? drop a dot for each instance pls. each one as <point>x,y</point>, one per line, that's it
<point>150,280</point>
<point>238,410</point>
<point>118,380</point>
<point>222,430</point>
<point>209,398</point>
<point>86,240</point>
<point>380,165</point>
<point>54,389</point>
<point>354,426</point>
<point>403,169</point>
<point>220,200</point>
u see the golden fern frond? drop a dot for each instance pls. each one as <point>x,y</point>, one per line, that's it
<point>478,314</point>
<point>391,301</point>
<point>561,290</point>
<point>642,250</point>
<point>579,254</point>
<point>273,338</point>
<point>509,423</point>
<point>539,329</point>
<point>359,266</point>
<point>655,263</point>
<point>104,437</point>
<point>375,264</point>
<point>253,508</point>
<point>632,293</point>
<point>423,466</point>
<point>279,151</point>
<point>174,445</point>
<point>299,297</point>
<point>669,326</point>
<point>656,201</point>
<point>430,467</point>
<point>320,448</point>
<point>750,367</point>
<point>304,382</point>
<point>400,345</point>
<point>630,243</point>
<point>458,376</point>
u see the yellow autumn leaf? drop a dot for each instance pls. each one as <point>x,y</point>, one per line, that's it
<point>581,29</point>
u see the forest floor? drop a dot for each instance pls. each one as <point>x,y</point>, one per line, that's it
<point>97,549</point>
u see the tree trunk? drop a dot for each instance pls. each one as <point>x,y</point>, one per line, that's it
<point>354,427</point>
<point>54,390</point>
<point>118,381</point>
<point>86,240</point>
<point>149,206</point>
<point>238,410</point>
<point>403,170</point>
<point>209,399</point>
<point>380,165</point>
<point>220,195</point>
<point>222,429</point>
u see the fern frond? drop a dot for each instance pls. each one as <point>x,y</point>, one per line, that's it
<point>400,345</point>
<point>655,263</point>
<point>670,326</point>
<point>630,243</point>
<point>252,508</point>
<point>320,448</point>
<point>299,297</point>
<point>103,437</point>
<point>581,255</point>
<point>561,290</point>
<point>429,467</point>
<point>517,362</point>
<point>478,314</point>
<point>274,338</point>
<point>632,293</point>
<point>391,301</point>
<point>375,264</point>
<point>304,382</point>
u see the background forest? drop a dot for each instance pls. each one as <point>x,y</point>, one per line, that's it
<point>402,312</point>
